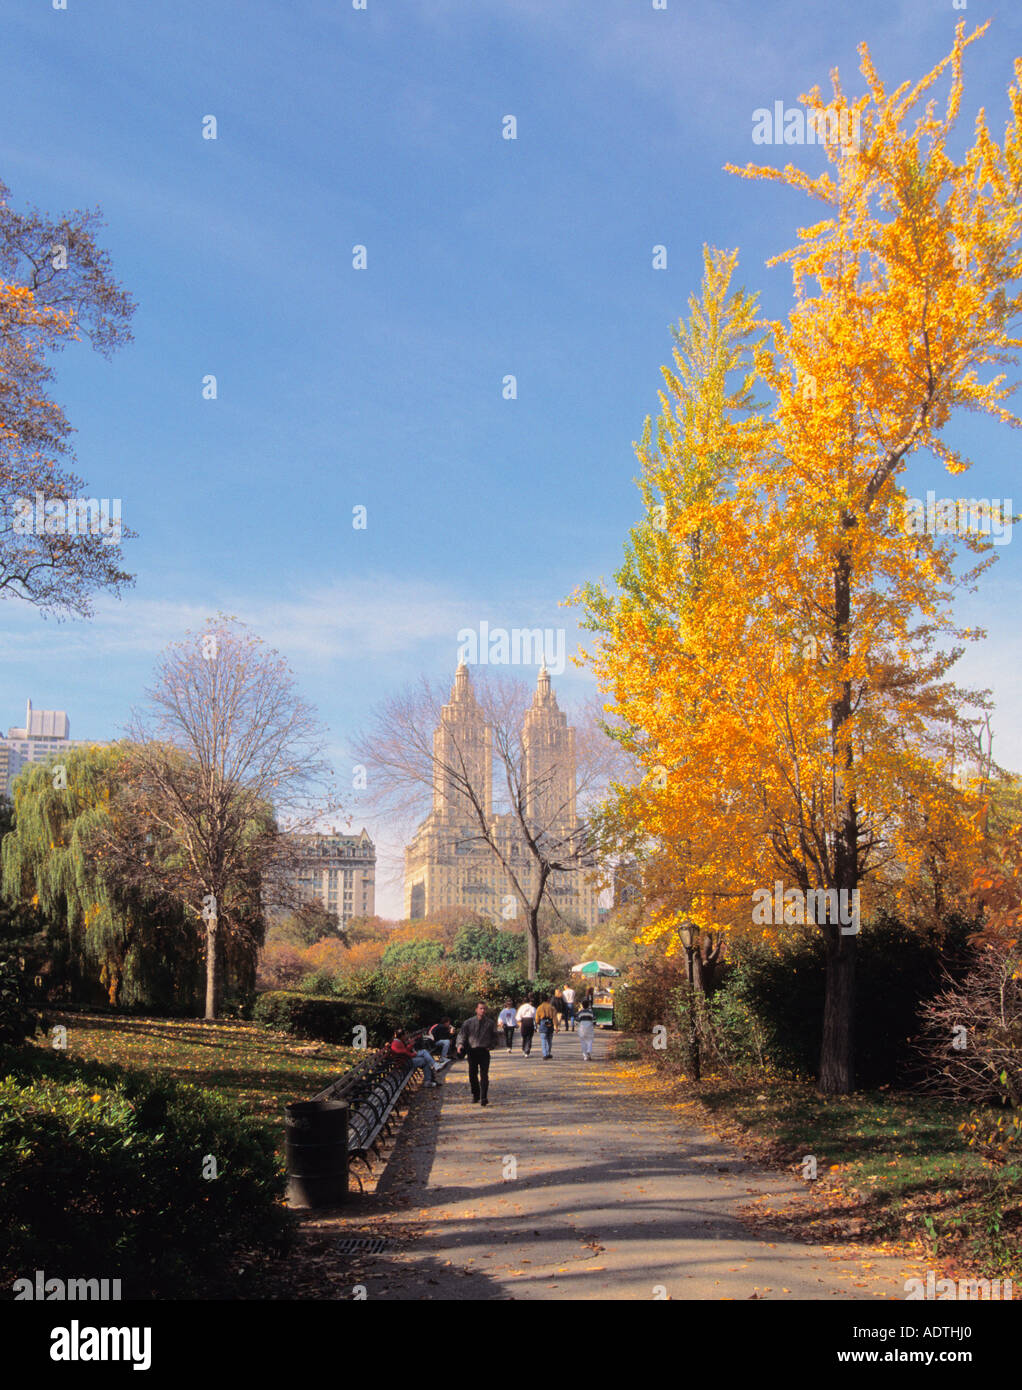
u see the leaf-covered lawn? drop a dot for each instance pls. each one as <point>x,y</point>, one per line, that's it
<point>260,1070</point>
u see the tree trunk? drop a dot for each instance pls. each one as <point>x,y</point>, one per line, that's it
<point>837,1052</point>
<point>533,942</point>
<point>706,959</point>
<point>212,974</point>
<point>837,1049</point>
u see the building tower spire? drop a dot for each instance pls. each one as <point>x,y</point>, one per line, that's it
<point>462,749</point>
<point>461,690</point>
<point>548,745</point>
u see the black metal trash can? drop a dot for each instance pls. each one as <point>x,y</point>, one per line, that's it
<point>316,1149</point>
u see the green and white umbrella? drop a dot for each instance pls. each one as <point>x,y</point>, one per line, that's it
<point>594,967</point>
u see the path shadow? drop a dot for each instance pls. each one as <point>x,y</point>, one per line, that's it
<point>409,1162</point>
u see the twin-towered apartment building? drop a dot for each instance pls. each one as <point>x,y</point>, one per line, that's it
<point>447,864</point>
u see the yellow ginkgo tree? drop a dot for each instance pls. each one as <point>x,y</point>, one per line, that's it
<point>779,641</point>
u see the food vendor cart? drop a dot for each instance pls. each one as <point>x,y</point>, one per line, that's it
<point>603,992</point>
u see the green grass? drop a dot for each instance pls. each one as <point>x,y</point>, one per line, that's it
<point>899,1155</point>
<point>242,1061</point>
<point>892,1163</point>
<point>895,1144</point>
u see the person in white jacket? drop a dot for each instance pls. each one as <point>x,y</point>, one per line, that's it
<point>508,1020</point>
<point>569,1006</point>
<point>585,1027</point>
<point>526,1017</point>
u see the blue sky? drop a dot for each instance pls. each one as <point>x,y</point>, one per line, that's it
<point>383,387</point>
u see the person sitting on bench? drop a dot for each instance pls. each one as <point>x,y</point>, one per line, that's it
<point>442,1034</point>
<point>399,1043</point>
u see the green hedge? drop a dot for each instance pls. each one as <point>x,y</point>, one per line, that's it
<point>773,1001</point>
<point>326,1019</point>
<point>382,1004</point>
<point>101,1176</point>
<point>330,1018</point>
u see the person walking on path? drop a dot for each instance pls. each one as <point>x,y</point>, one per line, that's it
<point>400,1044</point>
<point>546,1020</point>
<point>527,1022</point>
<point>476,1036</point>
<point>586,1029</point>
<point>508,1019</point>
<point>569,1006</point>
<point>560,1007</point>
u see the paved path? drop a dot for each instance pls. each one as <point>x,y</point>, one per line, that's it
<point>573,1184</point>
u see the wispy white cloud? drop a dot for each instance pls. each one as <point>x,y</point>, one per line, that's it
<point>362,619</point>
<point>338,622</point>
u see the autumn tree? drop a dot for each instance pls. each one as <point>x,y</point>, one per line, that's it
<point>56,285</point>
<point>362,929</point>
<point>227,763</point>
<point>798,701</point>
<point>997,884</point>
<point>652,638</point>
<point>308,923</point>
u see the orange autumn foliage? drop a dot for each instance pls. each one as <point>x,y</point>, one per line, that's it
<point>779,645</point>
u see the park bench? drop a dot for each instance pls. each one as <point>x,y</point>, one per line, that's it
<point>372,1090</point>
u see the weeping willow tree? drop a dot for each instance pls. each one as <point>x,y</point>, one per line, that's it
<point>115,935</point>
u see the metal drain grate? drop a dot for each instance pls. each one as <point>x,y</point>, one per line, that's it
<point>362,1245</point>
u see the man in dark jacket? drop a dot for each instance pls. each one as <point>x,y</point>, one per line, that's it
<point>476,1036</point>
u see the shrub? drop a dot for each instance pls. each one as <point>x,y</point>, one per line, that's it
<point>734,1033</point>
<point>101,1175</point>
<point>490,944</point>
<point>971,1042</point>
<point>328,1006</point>
<point>414,1008</point>
<point>308,924</point>
<point>330,955</point>
<point>19,1019</point>
<point>414,952</point>
<point>998,1137</point>
<point>323,983</point>
<point>773,998</point>
<point>515,985</point>
<point>418,995</point>
<point>364,955</point>
<point>21,961</point>
<point>281,965</point>
<point>649,998</point>
<point>325,1018</point>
